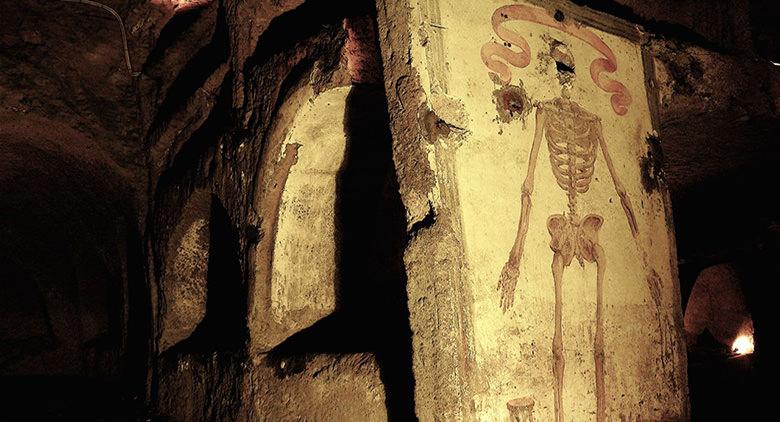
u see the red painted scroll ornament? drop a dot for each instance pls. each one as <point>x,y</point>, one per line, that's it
<point>599,68</point>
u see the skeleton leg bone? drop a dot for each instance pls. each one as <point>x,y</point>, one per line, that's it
<point>590,250</point>
<point>598,341</point>
<point>557,346</point>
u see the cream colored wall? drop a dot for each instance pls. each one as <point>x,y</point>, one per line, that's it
<point>303,277</point>
<point>644,368</point>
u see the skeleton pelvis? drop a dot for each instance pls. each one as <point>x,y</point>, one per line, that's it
<point>573,238</point>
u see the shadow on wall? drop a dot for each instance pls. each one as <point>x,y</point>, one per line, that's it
<point>371,303</point>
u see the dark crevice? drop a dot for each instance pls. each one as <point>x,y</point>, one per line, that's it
<point>172,33</point>
<point>304,22</point>
<point>205,137</point>
<point>192,77</point>
<point>426,222</point>
<point>652,164</point>
<point>563,67</point>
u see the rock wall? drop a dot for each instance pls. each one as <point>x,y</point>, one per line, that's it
<point>254,316</point>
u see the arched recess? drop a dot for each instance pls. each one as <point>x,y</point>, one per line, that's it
<point>201,316</point>
<point>202,297</point>
<point>73,297</point>
<point>717,305</point>
<point>328,272</point>
<point>295,262</point>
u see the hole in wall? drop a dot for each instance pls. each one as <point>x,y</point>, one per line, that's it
<point>512,102</point>
<point>564,62</point>
<point>563,67</point>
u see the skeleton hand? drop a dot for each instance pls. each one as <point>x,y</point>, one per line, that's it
<point>507,282</point>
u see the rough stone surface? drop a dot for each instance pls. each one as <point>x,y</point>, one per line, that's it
<point>717,112</point>
<point>438,313</point>
<point>184,289</point>
<point>322,387</point>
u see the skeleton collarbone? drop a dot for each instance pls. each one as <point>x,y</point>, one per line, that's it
<point>572,135</point>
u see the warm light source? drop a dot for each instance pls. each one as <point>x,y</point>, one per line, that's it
<point>743,345</point>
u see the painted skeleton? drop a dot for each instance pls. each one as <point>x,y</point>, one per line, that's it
<point>573,136</point>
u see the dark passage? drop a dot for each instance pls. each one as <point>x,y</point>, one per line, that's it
<point>732,220</point>
<point>69,253</point>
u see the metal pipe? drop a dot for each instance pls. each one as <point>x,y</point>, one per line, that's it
<point>121,27</point>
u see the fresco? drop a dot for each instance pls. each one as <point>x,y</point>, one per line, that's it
<point>571,292</point>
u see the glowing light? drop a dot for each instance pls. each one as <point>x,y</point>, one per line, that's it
<point>774,63</point>
<point>743,345</point>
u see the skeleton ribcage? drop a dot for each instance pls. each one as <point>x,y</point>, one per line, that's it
<point>572,143</point>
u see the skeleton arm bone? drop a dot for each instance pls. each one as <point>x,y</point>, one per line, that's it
<point>653,279</point>
<point>621,190</point>
<point>508,279</point>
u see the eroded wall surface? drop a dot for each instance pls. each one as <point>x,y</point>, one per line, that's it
<point>184,282</point>
<point>303,268</point>
<point>513,87</point>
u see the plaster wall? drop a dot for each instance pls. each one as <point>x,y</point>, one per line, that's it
<point>302,244</point>
<point>304,267</point>
<point>482,159</point>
